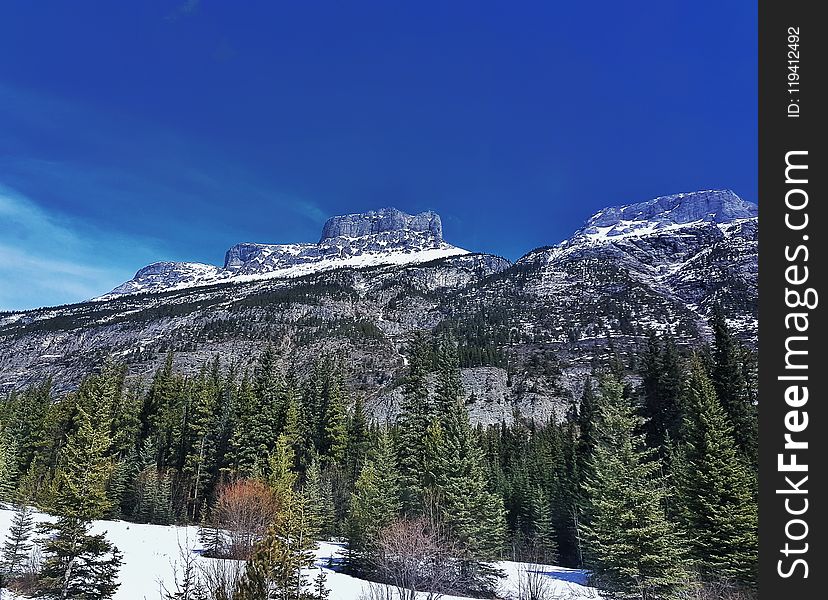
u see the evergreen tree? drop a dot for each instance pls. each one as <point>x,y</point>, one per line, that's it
<point>77,564</point>
<point>29,428</point>
<point>275,569</point>
<point>449,386</point>
<point>569,501</point>
<point>17,546</point>
<point>631,545</point>
<point>417,414</point>
<point>359,442</point>
<point>661,383</point>
<point>320,589</point>
<point>320,499</point>
<point>334,434</point>
<point>716,505</point>
<point>472,515</point>
<point>199,440</point>
<point>8,464</point>
<point>541,532</point>
<point>731,382</point>
<point>586,433</point>
<point>374,503</point>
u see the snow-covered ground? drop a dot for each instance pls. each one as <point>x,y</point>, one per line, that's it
<point>152,551</point>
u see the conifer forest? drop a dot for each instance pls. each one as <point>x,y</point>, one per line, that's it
<point>648,482</point>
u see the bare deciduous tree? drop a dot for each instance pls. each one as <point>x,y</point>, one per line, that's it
<point>414,555</point>
<point>243,511</point>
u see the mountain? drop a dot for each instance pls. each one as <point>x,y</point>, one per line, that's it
<point>386,236</point>
<point>660,264</point>
<point>527,331</point>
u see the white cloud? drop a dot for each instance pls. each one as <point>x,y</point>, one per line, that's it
<point>47,258</point>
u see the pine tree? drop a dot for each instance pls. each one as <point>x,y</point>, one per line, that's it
<point>449,386</point>
<point>569,500</point>
<point>417,414</point>
<point>30,426</point>
<point>631,545</point>
<point>586,434</point>
<point>199,438</point>
<point>732,387</point>
<point>8,464</point>
<point>275,571</point>
<point>320,499</point>
<point>661,383</point>
<point>77,564</point>
<point>277,468</point>
<point>359,442</point>
<point>320,589</point>
<point>334,434</point>
<point>374,503</point>
<point>17,546</point>
<point>84,471</point>
<point>472,515</point>
<point>716,502</point>
<point>541,537</point>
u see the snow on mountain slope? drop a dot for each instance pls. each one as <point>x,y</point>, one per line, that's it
<point>655,265</point>
<point>664,215</point>
<point>384,237</point>
<point>150,553</point>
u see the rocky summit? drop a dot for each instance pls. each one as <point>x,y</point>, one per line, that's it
<point>386,236</point>
<point>527,331</point>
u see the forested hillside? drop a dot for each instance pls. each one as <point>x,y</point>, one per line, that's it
<point>649,480</point>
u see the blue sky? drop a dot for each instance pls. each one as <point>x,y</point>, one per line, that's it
<point>144,131</point>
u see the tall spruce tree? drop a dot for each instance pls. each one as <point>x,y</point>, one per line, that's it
<point>17,546</point>
<point>630,544</point>
<point>77,564</point>
<point>417,415</point>
<point>716,502</point>
<point>732,384</point>
<point>375,502</point>
<point>334,431</point>
<point>359,442</point>
<point>8,464</point>
<point>320,498</point>
<point>472,515</point>
<point>661,385</point>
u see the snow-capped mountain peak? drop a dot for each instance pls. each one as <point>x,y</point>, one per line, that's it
<point>384,237</point>
<point>663,214</point>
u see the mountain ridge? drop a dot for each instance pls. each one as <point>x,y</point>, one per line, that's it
<point>391,236</point>
<point>385,236</point>
<point>546,314</point>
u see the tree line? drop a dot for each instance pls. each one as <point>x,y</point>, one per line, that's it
<point>649,481</point>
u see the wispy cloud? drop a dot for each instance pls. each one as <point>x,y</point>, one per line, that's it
<point>107,193</point>
<point>47,258</point>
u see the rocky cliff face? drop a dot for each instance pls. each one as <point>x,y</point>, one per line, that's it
<point>660,265</point>
<point>386,236</point>
<point>711,206</point>
<point>383,221</point>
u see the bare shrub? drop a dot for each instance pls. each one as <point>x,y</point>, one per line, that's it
<point>243,511</point>
<point>415,556</point>
<point>26,580</point>
<point>221,577</point>
<point>533,584</point>
<point>377,591</point>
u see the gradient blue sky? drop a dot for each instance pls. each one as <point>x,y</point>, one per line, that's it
<point>132,132</point>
